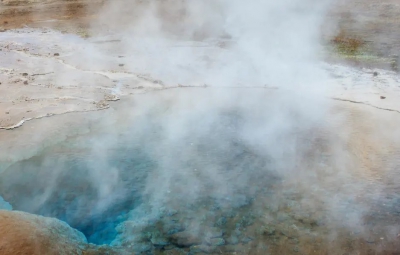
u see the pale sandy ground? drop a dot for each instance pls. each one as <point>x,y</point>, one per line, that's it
<point>38,78</point>
<point>44,72</point>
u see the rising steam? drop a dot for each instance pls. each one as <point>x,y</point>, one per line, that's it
<point>256,131</point>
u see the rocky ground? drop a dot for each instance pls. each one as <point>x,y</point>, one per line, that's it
<point>47,70</point>
<point>17,235</point>
<point>23,233</point>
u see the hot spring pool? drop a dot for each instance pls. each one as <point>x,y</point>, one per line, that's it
<point>199,176</point>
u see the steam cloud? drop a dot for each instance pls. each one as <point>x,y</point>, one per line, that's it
<point>260,125</point>
<point>262,44</point>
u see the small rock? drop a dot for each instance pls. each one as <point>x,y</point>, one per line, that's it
<point>102,104</point>
<point>382,97</point>
<point>121,65</point>
<point>110,97</point>
<point>25,82</point>
<point>24,74</point>
<point>7,112</point>
<point>376,74</point>
<point>56,54</point>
